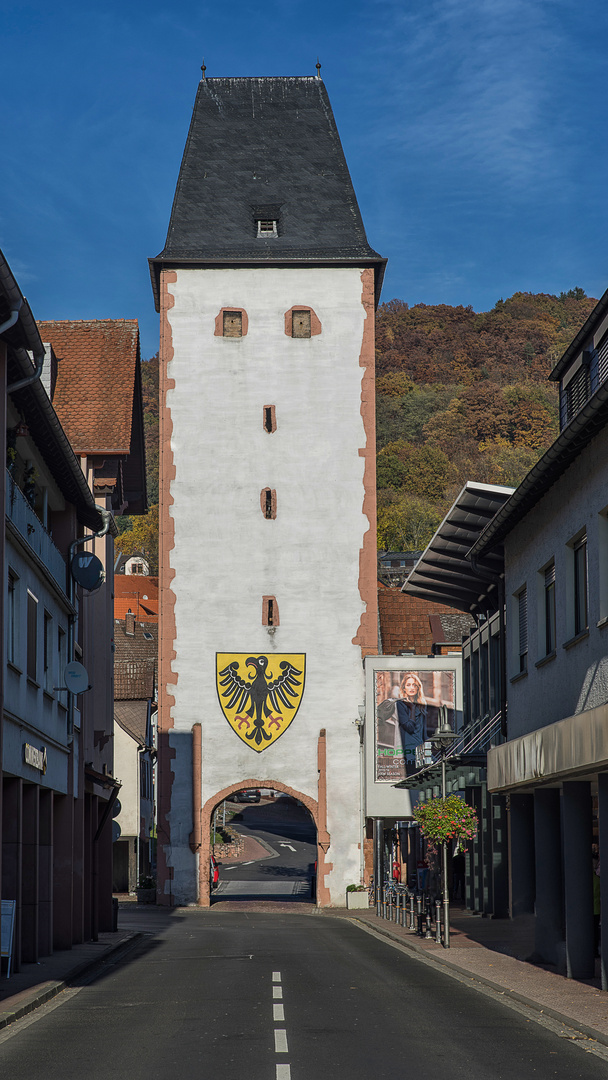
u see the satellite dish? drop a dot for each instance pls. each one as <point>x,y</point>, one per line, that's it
<point>115,832</point>
<point>116,808</point>
<point>76,677</point>
<point>87,570</point>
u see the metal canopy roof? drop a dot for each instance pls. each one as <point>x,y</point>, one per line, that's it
<point>444,573</point>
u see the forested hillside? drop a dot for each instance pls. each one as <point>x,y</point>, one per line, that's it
<point>460,396</point>
<point>463,396</point>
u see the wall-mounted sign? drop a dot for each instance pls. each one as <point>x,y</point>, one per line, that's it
<point>35,757</point>
<point>87,570</point>
<point>260,695</point>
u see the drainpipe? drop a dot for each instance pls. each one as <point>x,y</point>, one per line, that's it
<point>12,319</point>
<point>106,517</point>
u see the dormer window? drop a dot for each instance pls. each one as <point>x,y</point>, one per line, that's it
<point>267,227</point>
<point>266,220</point>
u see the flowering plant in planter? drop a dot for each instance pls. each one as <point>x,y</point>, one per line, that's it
<point>447,819</point>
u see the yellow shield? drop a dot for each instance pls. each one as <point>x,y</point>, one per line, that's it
<point>260,693</point>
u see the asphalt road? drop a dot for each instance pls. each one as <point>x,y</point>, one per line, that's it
<point>286,872</point>
<point>256,996</point>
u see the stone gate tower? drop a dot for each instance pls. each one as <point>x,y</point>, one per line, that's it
<point>266,289</point>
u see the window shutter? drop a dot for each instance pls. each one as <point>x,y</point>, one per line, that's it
<point>550,576</point>
<point>300,324</point>
<point>233,324</point>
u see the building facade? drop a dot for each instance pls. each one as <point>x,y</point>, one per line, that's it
<point>267,290</point>
<point>554,766</point>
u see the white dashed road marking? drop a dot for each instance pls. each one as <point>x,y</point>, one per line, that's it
<point>276,976</point>
<point>280,1041</point>
<point>278,1012</point>
<point>283,1072</point>
<point>277,991</point>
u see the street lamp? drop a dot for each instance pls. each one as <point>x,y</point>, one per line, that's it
<point>442,739</point>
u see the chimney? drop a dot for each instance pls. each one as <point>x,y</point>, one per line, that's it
<point>130,624</point>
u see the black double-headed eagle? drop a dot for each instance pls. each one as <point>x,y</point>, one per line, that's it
<point>255,700</point>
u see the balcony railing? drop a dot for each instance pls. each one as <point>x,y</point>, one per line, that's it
<point>30,527</point>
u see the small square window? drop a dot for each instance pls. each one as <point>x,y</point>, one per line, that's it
<point>300,324</point>
<point>267,227</point>
<point>233,324</point>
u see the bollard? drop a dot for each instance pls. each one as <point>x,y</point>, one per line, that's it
<point>427,917</point>
<point>378,901</point>
<point>412,921</point>
<point>438,922</point>
<point>419,915</point>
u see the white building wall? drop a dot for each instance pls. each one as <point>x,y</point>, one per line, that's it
<point>227,556</point>
<point>126,769</point>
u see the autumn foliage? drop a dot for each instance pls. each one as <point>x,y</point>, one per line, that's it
<point>463,396</point>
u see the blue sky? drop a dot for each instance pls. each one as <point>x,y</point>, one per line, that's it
<point>473,129</point>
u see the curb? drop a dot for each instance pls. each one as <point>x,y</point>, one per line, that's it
<point>449,966</point>
<point>27,1000</point>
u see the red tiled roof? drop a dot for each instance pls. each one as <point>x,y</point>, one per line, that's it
<point>95,380</point>
<point>405,622</point>
<point>138,593</point>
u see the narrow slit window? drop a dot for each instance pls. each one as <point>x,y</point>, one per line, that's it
<point>270,419</point>
<point>233,324</point>
<point>300,324</point>
<point>268,502</point>
<point>270,611</point>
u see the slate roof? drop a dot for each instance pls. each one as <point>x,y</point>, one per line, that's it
<point>411,622</point>
<point>264,147</point>
<point>96,373</point>
<point>132,716</point>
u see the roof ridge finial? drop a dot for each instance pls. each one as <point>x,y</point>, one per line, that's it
<point>203,68</point>
<point>318,67</point>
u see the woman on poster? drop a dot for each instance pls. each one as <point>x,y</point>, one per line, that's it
<point>411,714</point>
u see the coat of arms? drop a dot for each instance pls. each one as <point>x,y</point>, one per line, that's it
<point>260,695</point>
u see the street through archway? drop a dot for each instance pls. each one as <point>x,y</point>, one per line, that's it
<point>278,858</point>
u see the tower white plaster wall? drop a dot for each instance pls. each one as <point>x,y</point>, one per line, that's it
<point>226,555</point>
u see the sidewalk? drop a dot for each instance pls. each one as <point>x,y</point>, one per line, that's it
<point>37,983</point>
<point>492,952</point>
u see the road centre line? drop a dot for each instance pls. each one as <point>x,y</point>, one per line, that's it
<point>277,992</point>
<point>283,1072</point>
<point>278,1012</point>
<point>276,976</point>
<point>280,1041</point>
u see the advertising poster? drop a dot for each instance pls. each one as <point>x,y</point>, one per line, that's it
<point>407,704</point>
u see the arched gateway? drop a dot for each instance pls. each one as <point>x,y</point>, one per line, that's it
<point>205,836</point>
<point>266,289</point>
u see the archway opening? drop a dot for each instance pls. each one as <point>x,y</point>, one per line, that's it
<point>262,845</point>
